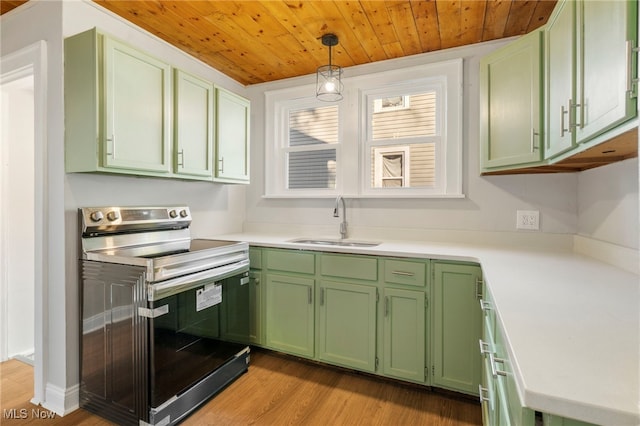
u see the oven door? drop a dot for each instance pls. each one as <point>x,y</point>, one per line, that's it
<point>196,331</point>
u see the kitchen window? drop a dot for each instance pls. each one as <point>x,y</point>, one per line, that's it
<point>395,134</point>
<point>403,138</point>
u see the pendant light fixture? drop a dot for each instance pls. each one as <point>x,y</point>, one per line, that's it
<point>329,77</point>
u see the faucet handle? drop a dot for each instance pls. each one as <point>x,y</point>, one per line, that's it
<point>343,229</point>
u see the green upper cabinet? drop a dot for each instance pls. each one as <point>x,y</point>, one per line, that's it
<point>117,108</point>
<point>130,113</point>
<point>193,118</point>
<point>608,32</point>
<point>511,104</point>
<point>404,334</point>
<point>232,138</point>
<point>347,324</point>
<point>589,71</point>
<point>456,326</point>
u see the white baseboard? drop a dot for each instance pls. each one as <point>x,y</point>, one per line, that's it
<point>61,401</point>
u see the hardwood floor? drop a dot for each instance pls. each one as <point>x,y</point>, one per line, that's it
<point>278,390</point>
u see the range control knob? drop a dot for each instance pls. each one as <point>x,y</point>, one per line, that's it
<point>173,214</point>
<point>184,213</point>
<point>96,216</point>
<point>113,215</point>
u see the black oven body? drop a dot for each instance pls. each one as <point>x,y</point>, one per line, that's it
<point>203,329</point>
<point>154,362</point>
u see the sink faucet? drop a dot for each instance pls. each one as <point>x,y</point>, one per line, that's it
<point>343,224</point>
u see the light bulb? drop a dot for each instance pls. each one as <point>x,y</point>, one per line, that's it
<point>330,86</point>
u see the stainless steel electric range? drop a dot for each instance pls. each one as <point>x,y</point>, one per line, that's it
<point>165,318</point>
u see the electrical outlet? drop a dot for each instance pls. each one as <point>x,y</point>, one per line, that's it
<point>528,219</point>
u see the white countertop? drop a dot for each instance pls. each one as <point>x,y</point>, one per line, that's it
<point>572,323</point>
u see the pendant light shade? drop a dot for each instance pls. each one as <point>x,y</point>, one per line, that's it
<point>329,77</point>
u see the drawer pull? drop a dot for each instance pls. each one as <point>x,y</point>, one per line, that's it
<point>494,370</point>
<point>485,306</point>
<point>482,392</point>
<point>484,348</point>
<point>403,273</point>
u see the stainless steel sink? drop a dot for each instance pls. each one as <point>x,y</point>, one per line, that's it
<point>331,242</point>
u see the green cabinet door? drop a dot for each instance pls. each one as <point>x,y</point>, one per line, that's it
<point>193,126</point>
<point>560,88</point>
<point>290,314</point>
<point>511,104</point>
<point>117,108</point>
<point>606,32</point>
<point>456,326</point>
<point>232,137</point>
<point>404,334</point>
<point>137,105</point>
<point>347,328</point>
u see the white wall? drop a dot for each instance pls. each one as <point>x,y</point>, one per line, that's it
<point>608,203</point>
<point>490,203</point>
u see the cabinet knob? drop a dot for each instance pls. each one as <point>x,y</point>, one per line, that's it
<point>113,215</point>
<point>96,216</point>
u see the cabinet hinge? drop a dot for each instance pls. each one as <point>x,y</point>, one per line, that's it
<point>377,296</point>
<point>433,370</point>
<point>426,372</point>
<point>426,301</point>
<point>377,363</point>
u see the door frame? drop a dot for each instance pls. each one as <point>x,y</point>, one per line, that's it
<point>31,60</point>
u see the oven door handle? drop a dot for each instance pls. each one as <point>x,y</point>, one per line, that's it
<point>177,285</point>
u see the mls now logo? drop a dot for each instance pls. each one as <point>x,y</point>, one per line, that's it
<point>23,413</point>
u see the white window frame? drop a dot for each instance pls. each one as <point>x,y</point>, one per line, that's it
<point>355,182</point>
<point>437,84</point>
<point>278,106</point>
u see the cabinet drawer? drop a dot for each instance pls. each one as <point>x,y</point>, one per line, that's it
<point>405,272</point>
<point>290,261</point>
<point>356,267</point>
<point>255,258</point>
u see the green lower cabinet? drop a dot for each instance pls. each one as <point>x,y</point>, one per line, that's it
<point>347,328</point>
<point>290,314</point>
<point>456,327</point>
<point>404,334</point>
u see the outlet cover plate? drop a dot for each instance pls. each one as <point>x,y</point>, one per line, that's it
<point>528,219</point>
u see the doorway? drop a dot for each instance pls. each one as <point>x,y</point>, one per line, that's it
<point>23,189</point>
<point>17,217</point>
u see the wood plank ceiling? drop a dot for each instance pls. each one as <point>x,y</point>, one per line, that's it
<point>260,41</point>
